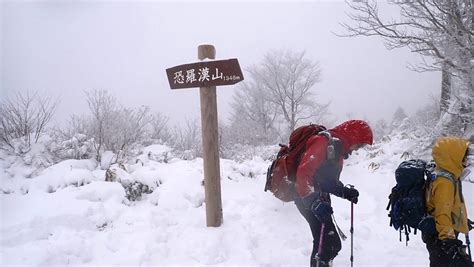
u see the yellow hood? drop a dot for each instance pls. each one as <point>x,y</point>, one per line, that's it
<point>448,153</point>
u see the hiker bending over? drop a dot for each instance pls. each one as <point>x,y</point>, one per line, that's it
<point>445,202</point>
<point>317,176</point>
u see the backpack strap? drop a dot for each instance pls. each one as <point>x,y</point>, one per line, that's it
<point>331,149</point>
<point>455,182</point>
<point>447,175</point>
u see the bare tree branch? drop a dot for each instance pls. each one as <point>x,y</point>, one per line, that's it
<point>25,115</point>
<point>288,79</point>
<point>437,29</point>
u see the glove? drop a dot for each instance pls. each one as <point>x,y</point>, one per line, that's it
<point>470,224</point>
<point>453,248</point>
<point>427,226</point>
<point>322,211</point>
<point>350,194</point>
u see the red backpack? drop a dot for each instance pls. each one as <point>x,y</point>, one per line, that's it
<point>281,174</point>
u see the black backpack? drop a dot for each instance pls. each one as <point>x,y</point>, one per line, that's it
<point>407,203</point>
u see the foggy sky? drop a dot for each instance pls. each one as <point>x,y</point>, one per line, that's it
<point>64,48</point>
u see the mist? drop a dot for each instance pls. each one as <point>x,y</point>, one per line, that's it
<point>102,163</point>
<point>63,49</point>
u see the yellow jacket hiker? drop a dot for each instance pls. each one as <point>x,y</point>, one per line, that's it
<point>444,199</point>
<point>445,202</point>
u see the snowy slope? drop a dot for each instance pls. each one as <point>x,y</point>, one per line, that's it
<point>71,216</point>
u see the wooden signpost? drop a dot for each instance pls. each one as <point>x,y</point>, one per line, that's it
<point>207,75</point>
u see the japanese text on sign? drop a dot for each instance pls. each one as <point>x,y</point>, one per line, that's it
<point>189,76</point>
<point>203,74</point>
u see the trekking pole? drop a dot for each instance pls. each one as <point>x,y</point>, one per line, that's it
<point>468,243</point>
<point>320,245</point>
<point>352,231</point>
<point>352,228</point>
<point>339,231</point>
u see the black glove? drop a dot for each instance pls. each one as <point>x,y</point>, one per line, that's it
<point>470,224</point>
<point>453,248</point>
<point>350,194</point>
<point>322,210</point>
<point>427,226</point>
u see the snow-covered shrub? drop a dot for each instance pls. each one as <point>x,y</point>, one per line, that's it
<point>27,161</point>
<point>24,116</point>
<point>380,129</point>
<point>187,140</point>
<point>243,130</point>
<point>133,189</point>
<point>66,173</point>
<point>107,159</point>
<point>248,169</point>
<point>398,117</point>
<point>79,146</point>
<point>160,132</point>
<point>159,153</point>
<point>186,154</point>
<point>109,126</point>
<point>114,173</point>
<point>415,133</point>
<point>241,153</point>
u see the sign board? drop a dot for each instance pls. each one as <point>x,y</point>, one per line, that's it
<point>205,74</point>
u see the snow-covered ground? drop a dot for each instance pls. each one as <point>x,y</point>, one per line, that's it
<point>68,214</point>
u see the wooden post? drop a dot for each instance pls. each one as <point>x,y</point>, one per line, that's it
<point>207,75</point>
<point>210,146</point>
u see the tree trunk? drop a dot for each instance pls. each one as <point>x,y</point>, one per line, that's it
<point>445,89</point>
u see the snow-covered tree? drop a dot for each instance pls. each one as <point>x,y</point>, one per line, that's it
<point>187,139</point>
<point>436,29</point>
<point>130,126</point>
<point>380,129</point>
<point>398,117</point>
<point>111,126</point>
<point>159,128</point>
<point>425,119</point>
<point>101,106</point>
<point>253,116</point>
<point>287,79</point>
